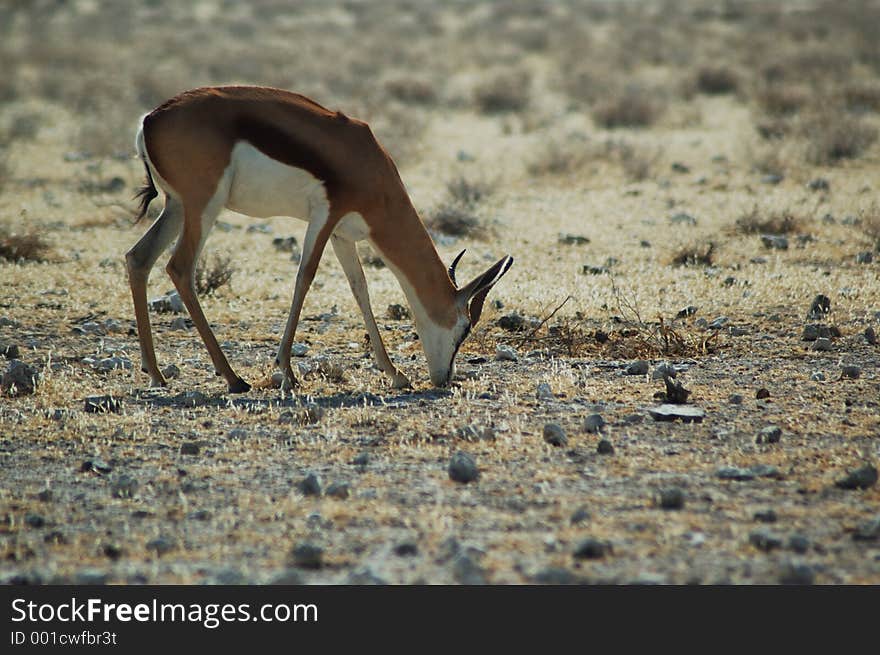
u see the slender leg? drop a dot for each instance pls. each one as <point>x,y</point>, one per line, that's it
<point>346,253</point>
<point>319,230</point>
<point>140,261</point>
<point>181,269</point>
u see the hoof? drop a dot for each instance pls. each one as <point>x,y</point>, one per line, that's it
<point>158,383</point>
<point>400,381</point>
<point>239,386</point>
<point>289,383</point>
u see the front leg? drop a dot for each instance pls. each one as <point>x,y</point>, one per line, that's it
<point>346,253</point>
<point>317,233</point>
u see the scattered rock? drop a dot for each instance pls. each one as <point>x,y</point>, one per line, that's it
<point>504,353</point>
<point>852,372</point>
<point>544,392</point>
<point>555,575</point>
<point>512,323</point>
<point>589,269</point>
<point>169,303</point>
<point>555,435</point>
<point>798,543</point>
<point>34,520</point>
<point>871,335</point>
<point>591,548</point>
<point>113,551</point>
<point>868,530</point>
<point>675,392</point>
<point>772,179</point>
<point>796,574</point>
<point>818,184</point>
<point>397,312</point>
<point>735,399</point>
<point>475,433</point>
<point>762,394</point>
<point>670,498</point>
<point>309,485</point>
<point>306,555</point>
<point>682,218</point>
<point>763,540</point>
<point>749,473</point>
<point>406,549</point>
<point>580,515</point>
<point>161,545</point>
<point>817,376</point>
<point>463,468</point>
<point>339,490</point>
<point>171,372</point>
<point>604,447</point>
<point>361,460</point>
<point>860,478</point>
<point>286,244</point>
<point>820,307</point>
<point>670,412</point>
<point>467,571</point>
<point>123,486</point>
<point>821,344</point>
<point>103,404</point>
<point>765,516</point>
<point>638,367</point>
<point>95,465</point>
<point>573,239</point>
<point>594,423</point>
<point>10,351</point>
<point>19,379</point>
<point>865,257</point>
<point>769,434</point>
<point>112,363</point>
<point>190,448</point>
<point>364,577</point>
<point>181,323</point>
<point>774,241</point>
<point>718,323</point>
<point>663,370</point>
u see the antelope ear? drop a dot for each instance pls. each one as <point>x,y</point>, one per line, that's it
<point>474,294</point>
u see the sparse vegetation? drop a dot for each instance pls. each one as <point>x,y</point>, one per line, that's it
<point>834,135</point>
<point>758,221</point>
<point>634,106</point>
<point>694,255</point>
<point>717,80</point>
<point>212,273</point>
<point>18,247</point>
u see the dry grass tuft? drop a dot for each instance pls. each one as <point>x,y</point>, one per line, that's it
<point>835,135</point>
<point>22,247</point>
<point>774,222</point>
<point>213,273</point>
<point>717,80</point>
<point>695,255</point>
<point>505,92</point>
<point>633,106</point>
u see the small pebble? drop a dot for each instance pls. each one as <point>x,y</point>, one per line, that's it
<point>339,490</point>
<point>544,392</point>
<point>406,549</point>
<point>124,486</point>
<point>580,515</point>
<point>821,344</point>
<point>504,353</point>
<point>763,540</point>
<point>591,548</point>
<point>765,516</point>
<point>735,399</point>
<point>171,372</point>
<point>796,574</point>
<point>467,571</point>
<point>871,335</point>
<point>35,520</point>
<point>769,434</point>
<point>798,543</point>
<point>762,394</point>
<point>820,306</point>
<point>604,447</point>
<point>670,498</point>
<point>594,423</point>
<point>555,435</point>
<point>161,545</point>
<point>638,367</point>
<point>309,485</point>
<point>817,376</point>
<point>868,530</point>
<point>860,478</point>
<point>19,379</point>
<point>851,372</point>
<point>462,468</point>
<point>774,241</point>
<point>307,556</point>
<point>189,448</point>
<point>865,257</point>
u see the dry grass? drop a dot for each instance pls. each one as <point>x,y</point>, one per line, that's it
<point>18,247</point>
<point>633,106</point>
<point>758,221</point>
<point>694,255</point>
<point>212,273</point>
<point>833,136</point>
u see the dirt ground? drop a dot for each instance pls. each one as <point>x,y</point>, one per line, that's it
<point>676,182</point>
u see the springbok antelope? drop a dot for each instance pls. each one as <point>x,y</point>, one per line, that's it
<point>268,152</point>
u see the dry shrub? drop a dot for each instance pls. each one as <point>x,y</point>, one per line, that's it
<point>694,255</point>
<point>782,99</point>
<point>559,158</point>
<point>455,220</point>
<point>468,193</point>
<point>634,106</point>
<point>22,247</point>
<point>504,92</point>
<point>835,135</point>
<point>869,223</point>
<point>637,163</point>
<point>213,273</point>
<point>862,97</point>
<point>774,222</point>
<point>717,80</point>
<point>411,90</point>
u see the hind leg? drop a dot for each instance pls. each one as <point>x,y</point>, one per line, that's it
<point>139,262</point>
<point>181,269</point>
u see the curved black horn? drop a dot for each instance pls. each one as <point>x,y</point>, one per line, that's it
<point>453,265</point>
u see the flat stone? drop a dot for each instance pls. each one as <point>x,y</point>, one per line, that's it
<point>555,435</point>
<point>594,423</point>
<point>591,548</point>
<point>462,468</point>
<point>749,473</point>
<point>860,478</point>
<point>769,434</point>
<point>670,412</point>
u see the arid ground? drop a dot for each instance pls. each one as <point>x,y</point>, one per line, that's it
<point>677,183</point>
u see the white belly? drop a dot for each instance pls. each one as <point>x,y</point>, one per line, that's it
<point>263,187</point>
